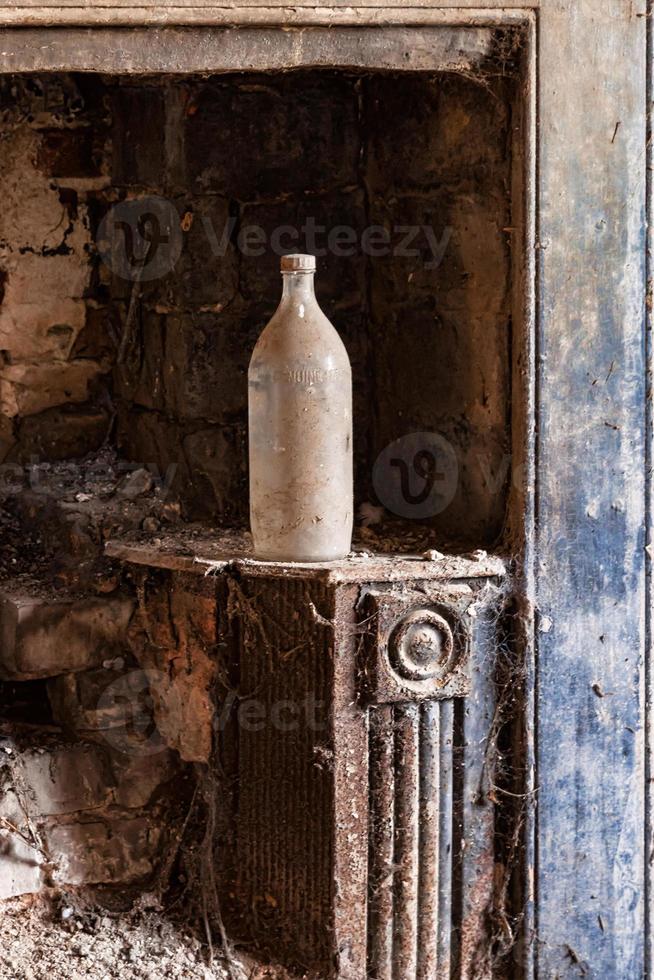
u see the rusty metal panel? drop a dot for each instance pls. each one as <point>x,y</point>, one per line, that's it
<point>418,649</point>
<point>411,841</point>
<point>285,805</point>
<point>352,825</point>
<point>431,821</point>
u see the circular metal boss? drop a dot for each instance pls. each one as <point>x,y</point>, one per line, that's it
<point>421,646</point>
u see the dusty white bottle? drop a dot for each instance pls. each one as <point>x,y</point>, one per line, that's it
<point>300,429</point>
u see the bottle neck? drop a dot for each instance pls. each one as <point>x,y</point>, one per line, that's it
<point>298,287</point>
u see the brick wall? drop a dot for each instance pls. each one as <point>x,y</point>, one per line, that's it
<point>55,339</point>
<point>428,334</point>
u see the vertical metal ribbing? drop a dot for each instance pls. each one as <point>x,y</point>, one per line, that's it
<point>382,832</point>
<point>407,844</point>
<point>428,877</point>
<point>444,941</point>
<point>429,895</point>
<point>411,820</point>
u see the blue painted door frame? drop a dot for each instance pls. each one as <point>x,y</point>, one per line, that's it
<point>591,580</point>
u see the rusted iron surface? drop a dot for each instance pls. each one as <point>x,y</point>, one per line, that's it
<point>428,760</point>
<point>411,841</point>
<point>352,826</point>
<point>359,846</point>
<point>285,811</point>
<point>418,650</point>
<point>431,746</point>
<point>407,844</point>
<point>382,834</point>
<point>349,742</point>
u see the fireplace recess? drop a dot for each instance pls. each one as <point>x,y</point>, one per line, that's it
<point>360,841</point>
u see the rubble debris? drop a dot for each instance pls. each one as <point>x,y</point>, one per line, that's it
<point>135,485</point>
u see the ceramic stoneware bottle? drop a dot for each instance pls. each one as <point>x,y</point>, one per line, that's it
<point>300,429</point>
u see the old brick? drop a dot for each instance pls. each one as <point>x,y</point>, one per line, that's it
<point>138,141</point>
<point>138,777</point>
<point>429,329</point>
<point>352,331</point>
<point>47,329</point>
<point>30,388</point>
<point>98,338</point>
<point>21,871</point>
<point>216,460</point>
<point>109,850</point>
<point>114,708</point>
<point>207,465</point>
<point>206,273</point>
<point>7,441</point>
<point>154,440</point>
<point>306,122</point>
<point>311,224</point>
<point>43,636</point>
<point>59,433</point>
<point>205,374</point>
<point>21,862</point>
<point>80,701</point>
<point>103,769</point>
<point>47,96</point>
<point>66,778</point>
<point>431,130</point>
<point>456,243</point>
<point>203,271</point>
<point>432,320</point>
<point>45,261</point>
<point>67,153</point>
<point>139,378</point>
<point>189,366</point>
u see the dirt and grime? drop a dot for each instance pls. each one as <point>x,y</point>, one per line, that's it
<point>66,937</point>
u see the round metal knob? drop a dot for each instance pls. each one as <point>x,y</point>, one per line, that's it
<point>421,646</point>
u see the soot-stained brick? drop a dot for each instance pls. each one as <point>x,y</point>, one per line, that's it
<point>266,136</point>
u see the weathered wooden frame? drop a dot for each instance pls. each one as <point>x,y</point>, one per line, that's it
<point>583,496</point>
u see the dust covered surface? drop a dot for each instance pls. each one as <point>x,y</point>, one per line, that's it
<point>44,940</point>
<point>55,516</point>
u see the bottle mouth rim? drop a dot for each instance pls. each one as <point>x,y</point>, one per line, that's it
<point>297,262</point>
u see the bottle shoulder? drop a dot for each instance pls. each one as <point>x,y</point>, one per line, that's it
<point>301,334</point>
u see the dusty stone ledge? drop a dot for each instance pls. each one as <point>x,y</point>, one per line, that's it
<point>189,551</point>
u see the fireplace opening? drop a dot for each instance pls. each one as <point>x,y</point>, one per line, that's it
<point>143,222</point>
<point>399,183</point>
